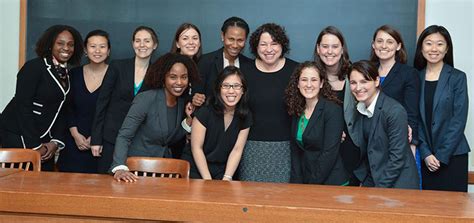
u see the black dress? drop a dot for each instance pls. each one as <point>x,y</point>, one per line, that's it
<point>80,114</point>
<point>218,142</point>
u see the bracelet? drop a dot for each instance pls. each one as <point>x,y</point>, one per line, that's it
<point>227,176</point>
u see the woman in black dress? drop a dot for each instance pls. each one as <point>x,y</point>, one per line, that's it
<point>220,129</point>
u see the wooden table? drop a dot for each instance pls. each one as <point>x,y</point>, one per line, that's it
<point>59,197</point>
<point>8,171</point>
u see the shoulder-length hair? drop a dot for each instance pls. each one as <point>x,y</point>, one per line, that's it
<point>215,101</point>
<point>295,102</point>
<point>45,43</point>
<point>344,62</point>
<point>156,73</point>
<point>183,27</point>
<point>400,55</point>
<point>420,61</point>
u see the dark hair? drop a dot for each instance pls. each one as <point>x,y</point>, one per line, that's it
<point>420,61</point>
<point>344,62</point>
<point>45,43</point>
<point>277,33</point>
<point>295,102</point>
<point>98,32</point>
<point>400,55</point>
<point>367,69</point>
<point>235,22</point>
<point>152,32</point>
<point>242,108</point>
<point>182,28</point>
<point>156,73</point>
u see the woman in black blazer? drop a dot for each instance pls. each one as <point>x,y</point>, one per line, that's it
<point>122,82</point>
<point>34,118</point>
<point>234,33</point>
<point>443,109</point>
<point>316,128</point>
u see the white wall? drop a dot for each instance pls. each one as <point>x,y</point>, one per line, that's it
<point>9,45</point>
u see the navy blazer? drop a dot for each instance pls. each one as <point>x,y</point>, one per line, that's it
<point>402,84</point>
<point>144,131</point>
<point>115,98</point>
<point>210,65</point>
<point>386,154</point>
<point>35,114</point>
<point>450,107</point>
<point>319,161</point>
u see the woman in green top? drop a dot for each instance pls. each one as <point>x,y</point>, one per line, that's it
<point>316,128</point>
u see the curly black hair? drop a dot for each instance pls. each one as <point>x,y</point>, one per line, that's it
<point>295,102</point>
<point>45,43</point>
<point>277,33</point>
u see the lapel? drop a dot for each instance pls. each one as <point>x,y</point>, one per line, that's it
<point>160,102</point>
<point>392,74</point>
<point>129,76</point>
<point>376,117</point>
<point>313,120</point>
<point>53,74</point>
<point>422,102</point>
<point>442,82</point>
<point>219,61</point>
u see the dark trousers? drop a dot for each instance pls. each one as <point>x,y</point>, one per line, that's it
<point>451,177</point>
<point>105,160</point>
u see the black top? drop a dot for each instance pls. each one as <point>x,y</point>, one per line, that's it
<point>171,114</point>
<point>430,88</point>
<point>271,121</point>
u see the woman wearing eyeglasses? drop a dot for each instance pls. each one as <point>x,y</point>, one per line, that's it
<point>220,129</point>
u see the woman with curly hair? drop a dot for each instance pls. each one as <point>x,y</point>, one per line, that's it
<point>266,155</point>
<point>316,128</point>
<point>155,121</point>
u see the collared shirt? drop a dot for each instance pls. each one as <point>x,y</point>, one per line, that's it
<point>226,61</point>
<point>368,111</point>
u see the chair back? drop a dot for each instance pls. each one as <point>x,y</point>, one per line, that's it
<point>19,158</point>
<point>158,167</point>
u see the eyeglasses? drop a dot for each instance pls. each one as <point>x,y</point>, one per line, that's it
<point>233,86</point>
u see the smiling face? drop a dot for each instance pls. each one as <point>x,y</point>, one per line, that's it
<point>63,47</point>
<point>234,41</point>
<point>231,91</point>
<point>330,50</point>
<point>363,90</point>
<point>434,48</point>
<point>143,44</point>
<point>309,83</point>
<point>97,49</point>
<point>385,46</point>
<point>176,80</point>
<point>189,42</point>
<point>269,51</point>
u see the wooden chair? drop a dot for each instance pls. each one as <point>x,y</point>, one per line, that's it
<point>158,167</point>
<point>20,158</point>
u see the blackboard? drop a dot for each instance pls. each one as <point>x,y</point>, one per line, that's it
<point>303,20</point>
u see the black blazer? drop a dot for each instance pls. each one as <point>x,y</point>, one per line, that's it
<point>450,108</point>
<point>403,84</point>
<point>210,65</point>
<point>35,114</point>
<point>319,162</point>
<point>115,98</point>
<point>387,154</point>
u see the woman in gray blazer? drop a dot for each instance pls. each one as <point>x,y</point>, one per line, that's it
<point>155,120</point>
<point>382,129</point>
<point>443,109</point>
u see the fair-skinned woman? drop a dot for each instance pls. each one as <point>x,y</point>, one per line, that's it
<point>316,128</point>
<point>187,41</point>
<point>443,109</point>
<point>381,127</point>
<point>34,117</point>
<point>156,118</point>
<point>122,82</point>
<point>85,87</point>
<point>234,34</point>
<point>266,155</point>
<point>220,129</point>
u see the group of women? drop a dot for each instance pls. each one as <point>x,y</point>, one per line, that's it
<point>271,119</point>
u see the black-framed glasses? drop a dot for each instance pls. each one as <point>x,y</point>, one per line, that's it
<point>233,86</point>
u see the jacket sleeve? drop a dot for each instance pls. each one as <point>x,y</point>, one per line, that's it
<point>458,120</point>
<point>103,101</point>
<point>412,97</point>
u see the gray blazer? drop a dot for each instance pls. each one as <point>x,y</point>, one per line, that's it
<point>144,131</point>
<point>351,114</point>
<point>387,154</point>
<point>450,107</point>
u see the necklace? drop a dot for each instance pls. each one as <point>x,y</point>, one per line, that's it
<point>303,122</point>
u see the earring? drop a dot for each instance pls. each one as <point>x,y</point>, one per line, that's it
<point>190,90</point>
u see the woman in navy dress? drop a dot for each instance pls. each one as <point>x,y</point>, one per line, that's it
<point>85,86</point>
